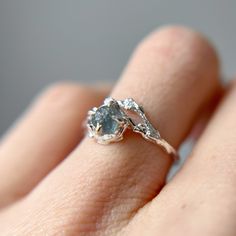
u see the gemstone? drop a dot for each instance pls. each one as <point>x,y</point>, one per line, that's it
<point>105,120</point>
<point>128,103</point>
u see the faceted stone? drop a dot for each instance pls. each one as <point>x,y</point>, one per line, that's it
<point>104,117</point>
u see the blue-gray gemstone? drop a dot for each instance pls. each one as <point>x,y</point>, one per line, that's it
<point>104,116</point>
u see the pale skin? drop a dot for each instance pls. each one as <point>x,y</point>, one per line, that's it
<point>55,182</point>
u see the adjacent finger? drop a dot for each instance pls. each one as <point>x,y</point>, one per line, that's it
<point>201,198</point>
<point>99,189</point>
<point>44,136</point>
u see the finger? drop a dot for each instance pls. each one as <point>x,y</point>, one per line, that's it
<point>99,188</point>
<point>201,198</point>
<point>44,136</point>
<point>205,116</point>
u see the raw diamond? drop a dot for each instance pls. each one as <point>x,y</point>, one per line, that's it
<point>104,118</point>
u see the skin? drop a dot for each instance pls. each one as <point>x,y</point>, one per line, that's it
<point>55,182</point>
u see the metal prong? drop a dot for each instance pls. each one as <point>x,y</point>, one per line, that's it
<point>90,130</point>
<point>91,112</point>
<point>97,128</point>
<point>108,101</point>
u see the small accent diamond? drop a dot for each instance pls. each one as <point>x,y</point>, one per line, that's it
<point>129,103</point>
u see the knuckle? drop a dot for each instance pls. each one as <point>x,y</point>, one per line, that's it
<point>176,47</point>
<point>63,92</point>
<point>64,89</point>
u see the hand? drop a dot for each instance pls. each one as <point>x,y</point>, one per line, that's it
<point>55,183</point>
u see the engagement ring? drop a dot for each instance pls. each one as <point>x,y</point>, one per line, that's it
<point>108,123</point>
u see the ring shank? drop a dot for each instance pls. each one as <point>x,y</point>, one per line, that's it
<point>145,128</point>
<point>168,148</point>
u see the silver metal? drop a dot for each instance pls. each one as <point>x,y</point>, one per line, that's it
<point>128,114</point>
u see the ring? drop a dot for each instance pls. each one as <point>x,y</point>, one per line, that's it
<point>108,123</point>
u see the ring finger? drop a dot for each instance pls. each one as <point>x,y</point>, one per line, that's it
<point>98,189</point>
